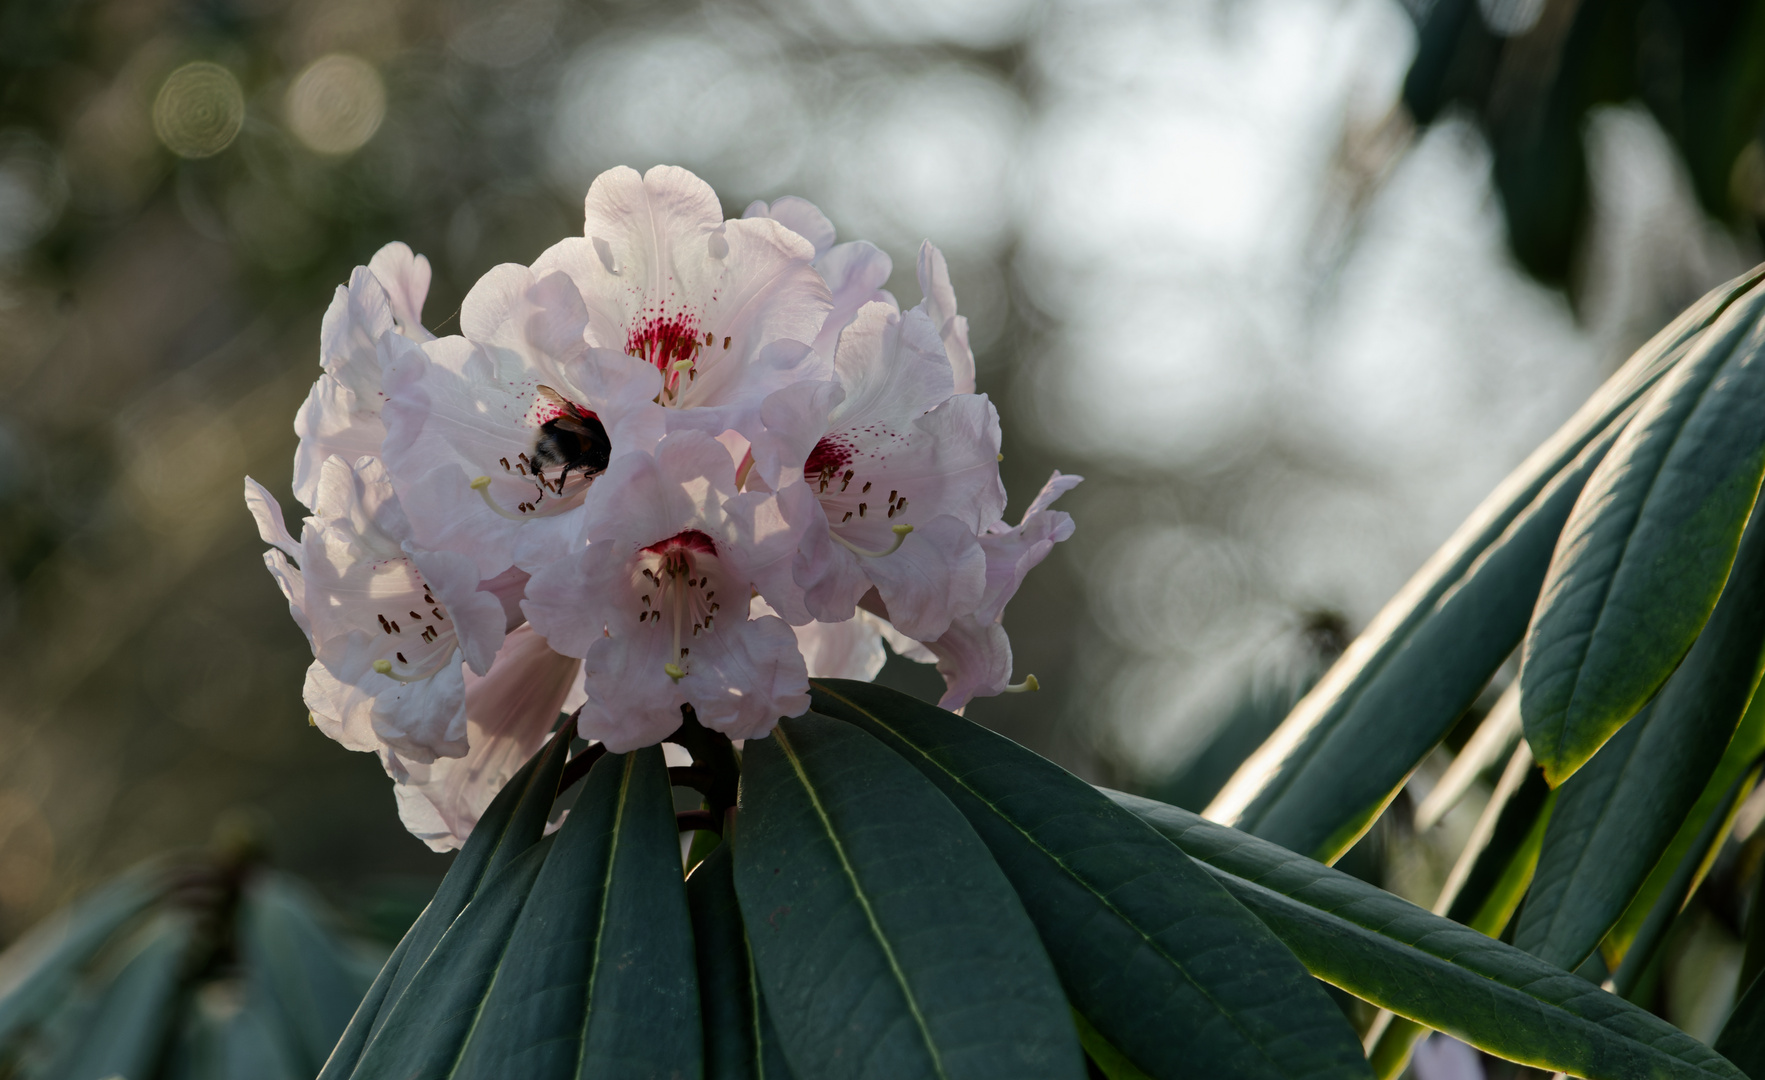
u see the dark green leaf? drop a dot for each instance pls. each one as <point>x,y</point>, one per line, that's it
<point>1448,977</point>
<point>1692,844</point>
<point>1742,1039</point>
<point>1616,816</point>
<point>44,966</point>
<point>514,821</point>
<point>1643,559</point>
<point>1111,1062</point>
<point>1503,850</point>
<point>1262,782</point>
<point>599,977</point>
<point>423,1031</point>
<point>887,941</point>
<point>1155,955</point>
<point>1686,877</point>
<point>128,1027</point>
<point>740,1043</point>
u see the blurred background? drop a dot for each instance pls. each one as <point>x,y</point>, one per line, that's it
<point>1293,283</point>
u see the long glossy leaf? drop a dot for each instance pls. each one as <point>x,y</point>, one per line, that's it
<point>1495,866</point>
<point>1155,955</point>
<point>740,1042</point>
<point>1742,1039</point>
<point>1616,816</point>
<point>1261,782</point>
<point>1448,977</point>
<point>1643,559</point>
<point>422,1032</point>
<point>599,976</point>
<point>888,943</point>
<point>513,822</point>
<point>1690,841</point>
<point>130,1025</point>
<point>39,971</point>
<point>1685,880</point>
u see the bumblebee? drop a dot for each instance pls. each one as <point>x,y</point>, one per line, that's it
<point>574,440</point>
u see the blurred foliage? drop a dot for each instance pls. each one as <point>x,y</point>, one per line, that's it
<point>1530,72</point>
<point>190,968</point>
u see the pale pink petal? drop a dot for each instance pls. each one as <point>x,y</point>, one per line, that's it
<point>905,647</point>
<point>510,714</point>
<point>333,422</point>
<point>621,390</point>
<point>940,304</point>
<point>829,574</point>
<point>855,274</point>
<point>891,366</point>
<point>538,320</point>
<point>844,650</point>
<point>405,277</point>
<point>1442,1057</point>
<point>1012,552</point>
<point>359,316</point>
<point>455,414</point>
<point>341,711</point>
<point>477,616</point>
<point>763,550</point>
<point>799,216</point>
<point>974,657</point>
<point>793,420</point>
<point>267,512</point>
<point>938,573</point>
<point>508,587</point>
<point>293,589</point>
<point>746,676</point>
<point>632,702</point>
<point>571,601</point>
<point>650,497</point>
<point>420,721</point>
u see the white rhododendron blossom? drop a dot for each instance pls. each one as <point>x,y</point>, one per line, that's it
<point>672,470</point>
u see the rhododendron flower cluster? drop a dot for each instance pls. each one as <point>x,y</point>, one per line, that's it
<point>679,461</point>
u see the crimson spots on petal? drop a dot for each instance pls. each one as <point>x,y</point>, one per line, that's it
<point>829,456</point>
<point>663,340</point>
